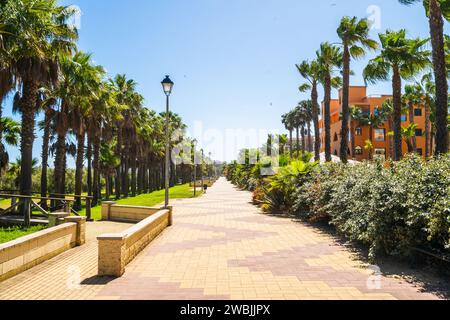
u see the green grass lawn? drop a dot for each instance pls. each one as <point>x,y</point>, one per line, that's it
<point>9,234</point>
<point>148,200</point>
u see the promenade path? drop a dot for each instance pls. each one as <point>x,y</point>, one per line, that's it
<point>220,247</point>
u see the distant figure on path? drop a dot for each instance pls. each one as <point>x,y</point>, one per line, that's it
<point>205,187</point>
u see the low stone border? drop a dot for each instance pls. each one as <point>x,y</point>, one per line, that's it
<point>120,213</point>
<point>26,252</point>
<point>115,251</point>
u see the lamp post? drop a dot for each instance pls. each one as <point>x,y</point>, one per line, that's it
<point>195,167</point>
<point>201,168</point>
<point>167,87</point>
<point>209,167</point>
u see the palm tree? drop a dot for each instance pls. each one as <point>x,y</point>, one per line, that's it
<point>310,71</point>
<point>41,34</point>
<point>355,114</point>
<point>412,98</point>
<point>388,110</point>
<point>9,135</point>
<point>288,124</point>
<point>403,58</point>
<point>436,11</point>
<point>329,57</point>
<point>125,96</point>
<point>354,35</point>
<point>428,91</point>
<point>408,134</point>
<point>306,107</point>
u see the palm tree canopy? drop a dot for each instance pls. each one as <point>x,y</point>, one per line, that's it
<point>354,34</point>
<point>397,51</point>
<point>328,57</point>
<point>39,34</point>
<point>444,4</point>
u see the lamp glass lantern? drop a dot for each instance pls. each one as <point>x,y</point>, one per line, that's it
<point>167,85</point>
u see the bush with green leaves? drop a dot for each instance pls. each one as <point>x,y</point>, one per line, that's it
<point>391,207</point>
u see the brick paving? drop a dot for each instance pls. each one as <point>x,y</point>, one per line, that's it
<point>220,247</point>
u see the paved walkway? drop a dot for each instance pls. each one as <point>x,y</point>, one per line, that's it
<point>220,247</point>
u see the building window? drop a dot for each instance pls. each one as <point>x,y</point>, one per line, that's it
<point>336,138</point>
<point>358,151</point>
<point>404,118</point>
<point>417,112</point>
<point>380,153</point>
<point>380,135</point>
<point>420,152</point>
<point>358,131</point>
<point>419,132</point>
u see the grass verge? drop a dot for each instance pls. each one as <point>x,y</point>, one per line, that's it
<point>150,199</point>
<point>12,233</point>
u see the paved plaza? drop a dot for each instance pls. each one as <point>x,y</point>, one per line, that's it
<point>220,247</point>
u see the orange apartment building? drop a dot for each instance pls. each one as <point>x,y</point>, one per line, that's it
<point>381,140</point>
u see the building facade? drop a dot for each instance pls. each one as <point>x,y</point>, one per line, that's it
<point>379,136</point>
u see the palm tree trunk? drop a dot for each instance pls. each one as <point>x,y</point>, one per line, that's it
<point>107,187</point>
<point>411,121</point>
<point>89,167</point>
<point>44,155</point>
<point>427,130</point>
<point>30,92</point>
<point>345,105</point>
<point>290,143</point>
<point>298,140</point>
<point>79,169</point>
<point>315,114</point>
<point>397,101</point>
<point>310,147</point>
<point>327,117</point>
<point>440,73</point>
<point>391,139</point>
<point>126,177</point>
<point>96,177</point>
<point>303,139</point>
<point>352,138</point>
<point>133,175</point>
<point>119,167</point>
<point>59,163</point>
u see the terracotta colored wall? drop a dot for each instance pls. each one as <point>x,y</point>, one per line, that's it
<point>359,98</point>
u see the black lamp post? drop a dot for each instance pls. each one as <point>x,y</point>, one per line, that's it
<point>195,167</point>
<point>167,87</point>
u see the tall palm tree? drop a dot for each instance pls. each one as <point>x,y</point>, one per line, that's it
<point>41,34</point>
<point>9,135</point>
<point>354,35</point>
<point>329,57</point>
<point>306,107</point>
<point>288,124</point>
<point>403,58</point>
<point>412,98</point>
<point>428,92</point>
<point>310,71</point>
<point>436,11</point>
<point>355,114</point>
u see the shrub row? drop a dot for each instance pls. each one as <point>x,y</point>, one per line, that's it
<point>390,207</point>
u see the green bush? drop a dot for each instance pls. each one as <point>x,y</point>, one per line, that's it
<point>390,208</point>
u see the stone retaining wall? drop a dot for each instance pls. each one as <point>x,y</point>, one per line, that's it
<point>114,212</point>
<point>115,251</point>
<point>28,251</point>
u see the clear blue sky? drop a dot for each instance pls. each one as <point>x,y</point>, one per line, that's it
<point>232,61</point>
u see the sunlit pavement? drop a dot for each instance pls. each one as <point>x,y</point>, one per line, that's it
<point>220,247</point>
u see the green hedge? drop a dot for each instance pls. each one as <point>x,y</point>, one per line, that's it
<point>390,207</point>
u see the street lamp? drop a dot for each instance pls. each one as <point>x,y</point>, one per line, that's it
<point>167,85</point>
<point>201,168</point>
<point>195,167</point>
